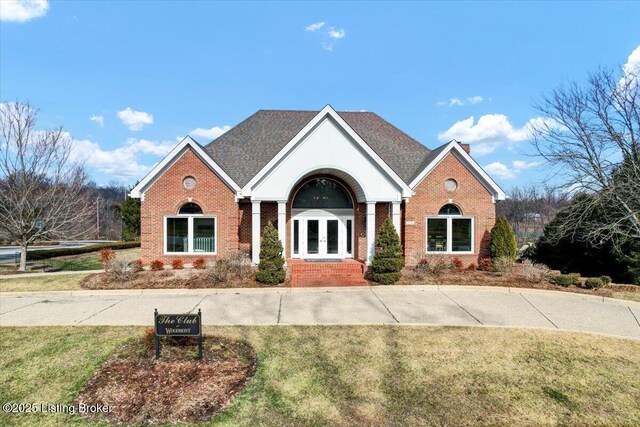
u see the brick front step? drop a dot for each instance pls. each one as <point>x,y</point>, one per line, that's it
<point>318,274</point>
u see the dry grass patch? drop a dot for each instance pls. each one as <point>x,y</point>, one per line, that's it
<point>46,282</point>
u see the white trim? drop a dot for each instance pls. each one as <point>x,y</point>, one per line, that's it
<point>190,219</point>
<point>449,250</point>
<point>327,111</point>
<point>169,159</point>
<point>453,145</point>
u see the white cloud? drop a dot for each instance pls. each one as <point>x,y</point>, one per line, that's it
<point>122,163</point>
<point>490,132</point>
<point>336,34</point>
<point>22,10</point>
<point>315,27</point>
<point>505,172</point>
<point>459,102</point>
<point>632,66</point>
<point>135,120</point>
<point>98,119</point>
<point>209,134</point>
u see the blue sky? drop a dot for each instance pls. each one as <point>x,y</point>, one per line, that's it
<point>127,79</point>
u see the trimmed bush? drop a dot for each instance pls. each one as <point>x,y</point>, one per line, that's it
<point>120,270</point>
<point>388,260</point>
<point>106,256</point>
<point>457,263</point>
<point>137,266</point>
<point>504,265</point>
<point>432,265</point>
<point>199,263</point>
<point>606,280</point>
<point>485,264</point>
<point>503,240</point>
<point>270,268</point>
<point>566,279</point>
<point>594,283</point>
<point>220,271</point>
<point>177,264</point>
<point>52,253</point>
<point>534,272</point>
<point>156,265</point>
<point>472,266</point>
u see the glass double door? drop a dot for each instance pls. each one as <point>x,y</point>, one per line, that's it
<point>322,237</point>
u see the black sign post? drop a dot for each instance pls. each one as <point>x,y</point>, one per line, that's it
<point>178,325</point>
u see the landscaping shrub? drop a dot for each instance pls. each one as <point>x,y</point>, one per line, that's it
<point>120,270</point>
<point>106,256</point>
<point>485,264</point>
<point>457,263</point>
<point>388,260</point>
<point>137,265</point>
<point>219,271</point>
<point>199,263</point>
<point>240,264</point>
<point>594,283</point>
<point>270,268</point>
<point>177,264</point>
<point>52,253</point>
<point>149,338</point>
<point>606,280</point>
<point>503,240</point>
<point>432,265</point>
<point>504,265</point>
<point>472,266</point>
<point>566,279</point>
<point>156,265</point>
<point>534,272</point>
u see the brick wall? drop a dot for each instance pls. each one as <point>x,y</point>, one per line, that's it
<point>470,196</point>
<point>167,195</point>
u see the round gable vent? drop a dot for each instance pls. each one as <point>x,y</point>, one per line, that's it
<point>189,183</point>
<point>450,184</point>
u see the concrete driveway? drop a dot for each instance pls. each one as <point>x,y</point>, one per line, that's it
<point>426,305</point>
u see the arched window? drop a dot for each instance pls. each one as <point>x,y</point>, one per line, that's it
<point>322,193</point>
<point>450,209</point>
<point>190,232</point>
<point>190,209</point>
<point>449,231</point>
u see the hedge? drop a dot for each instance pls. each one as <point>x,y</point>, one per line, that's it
<point>52,253</point>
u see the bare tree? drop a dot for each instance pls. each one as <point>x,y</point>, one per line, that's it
<point>592,136</point>
<point>530,208</point>
<point>43,193</point>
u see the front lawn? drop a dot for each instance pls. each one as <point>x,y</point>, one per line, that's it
<point>364,375</point>
<point>45,282</point>
<point>89,261</point>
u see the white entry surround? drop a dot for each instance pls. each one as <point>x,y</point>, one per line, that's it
<point>329,145</point>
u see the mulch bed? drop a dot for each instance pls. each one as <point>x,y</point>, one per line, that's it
<point>169,279</point>
<point>515,280</point>
<point>177,388</point>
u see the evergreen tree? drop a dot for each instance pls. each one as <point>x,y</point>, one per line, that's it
<point>388,260</point>
<point>270,268</point>
<point>503,240</point>
<point>130,211</point>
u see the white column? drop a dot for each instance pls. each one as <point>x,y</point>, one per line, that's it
<point>255,232</point>
<point>282,226</point>
<point>371,231</point>
<point>395,216</point>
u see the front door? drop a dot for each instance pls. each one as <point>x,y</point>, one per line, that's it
<point>322,238</point>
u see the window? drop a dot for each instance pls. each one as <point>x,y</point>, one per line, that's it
<point>450,184</point>
<point>190,232</point>
<point>450,232</point>
<point>322,193</point>
<point>189,183</point>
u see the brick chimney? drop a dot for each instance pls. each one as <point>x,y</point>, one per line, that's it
<point>465,147</point>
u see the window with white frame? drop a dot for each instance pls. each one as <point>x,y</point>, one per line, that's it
<point>190,231</point>
<point>450,231</point>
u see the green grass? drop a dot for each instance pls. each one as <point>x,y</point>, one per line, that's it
<point>46,282</point>
<point>86,262</point>
<point>365,375</point>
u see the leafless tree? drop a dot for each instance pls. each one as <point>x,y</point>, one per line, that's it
<point>592,137</point>
<point>43,193</point>
<point>530,208</point>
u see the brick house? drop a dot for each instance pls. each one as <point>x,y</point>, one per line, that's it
<point>327,180</point>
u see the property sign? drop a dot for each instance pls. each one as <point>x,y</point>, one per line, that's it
<point>178,325</point>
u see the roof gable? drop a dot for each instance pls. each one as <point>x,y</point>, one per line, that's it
<point>248,147</point>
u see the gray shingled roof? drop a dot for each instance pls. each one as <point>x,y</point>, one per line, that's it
<point>245,149</point>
